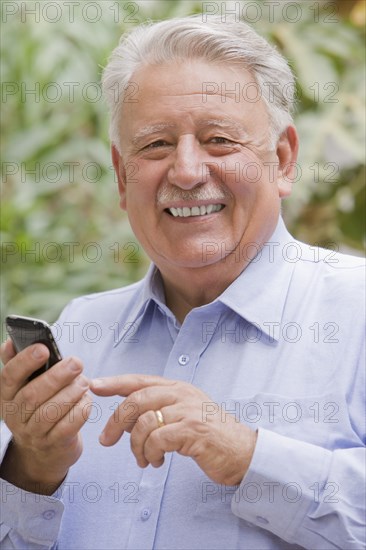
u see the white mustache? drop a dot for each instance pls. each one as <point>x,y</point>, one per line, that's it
<point>204,192</point>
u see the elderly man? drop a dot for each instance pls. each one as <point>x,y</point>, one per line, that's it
<point>239,355</point>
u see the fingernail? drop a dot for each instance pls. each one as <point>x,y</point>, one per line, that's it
<point>38,352</point>
<point>82,382</point>
<point>73,366</point>
<point>103,438</point>
<point>97,382</point>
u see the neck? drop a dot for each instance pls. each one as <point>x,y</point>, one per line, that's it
<point>204,285</point>
<point>189,287</point>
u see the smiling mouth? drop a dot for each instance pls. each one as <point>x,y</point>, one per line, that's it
<point>186,212</point>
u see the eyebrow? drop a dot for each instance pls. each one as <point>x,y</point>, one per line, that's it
<point>149,130</point>
<point>204,123</point>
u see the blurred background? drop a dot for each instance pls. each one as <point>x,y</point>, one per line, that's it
<point>62,232</point>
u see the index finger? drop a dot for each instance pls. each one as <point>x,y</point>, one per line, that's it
<point>124,384</point>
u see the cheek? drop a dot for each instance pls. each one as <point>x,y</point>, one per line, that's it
<point>141,202</point>
<point>259,179</point>
<point>241,172</point>
<point>249,176</point>
<point>144,182</point>
<point>251,173</point>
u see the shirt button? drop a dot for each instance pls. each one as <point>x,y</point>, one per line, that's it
<point>183,359</point>
<point>49,514</point>
<point>264,521</point>
<point>145,514</point>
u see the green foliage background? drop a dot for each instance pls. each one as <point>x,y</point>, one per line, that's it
<point>59,195</point>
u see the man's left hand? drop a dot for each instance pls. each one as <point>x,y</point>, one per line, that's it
<point>165,415</point>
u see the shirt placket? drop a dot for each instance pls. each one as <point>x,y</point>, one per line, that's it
<point>181,365</point>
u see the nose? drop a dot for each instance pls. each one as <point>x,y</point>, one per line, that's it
<point>187,168</point>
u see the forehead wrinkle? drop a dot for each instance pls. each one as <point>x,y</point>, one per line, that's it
<point>223,123</point>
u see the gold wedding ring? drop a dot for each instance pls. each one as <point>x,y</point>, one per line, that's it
<point>159,418</point>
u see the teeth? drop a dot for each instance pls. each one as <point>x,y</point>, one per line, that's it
<point>186,212</point>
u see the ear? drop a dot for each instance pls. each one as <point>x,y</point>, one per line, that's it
<point>121,175</point>
<point>287,150</point>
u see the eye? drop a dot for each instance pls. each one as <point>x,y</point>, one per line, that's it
<point>156,144</point>
<point>221,140</point>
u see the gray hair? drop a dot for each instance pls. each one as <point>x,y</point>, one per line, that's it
<point>234,43</point>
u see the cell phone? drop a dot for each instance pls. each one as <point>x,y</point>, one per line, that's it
<point>25,331</point>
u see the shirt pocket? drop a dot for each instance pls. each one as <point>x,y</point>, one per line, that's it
<point>321,419</point>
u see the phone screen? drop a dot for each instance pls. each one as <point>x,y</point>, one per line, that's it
<point>25,331</point>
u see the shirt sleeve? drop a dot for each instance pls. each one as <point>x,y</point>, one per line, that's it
<point>321,505</point>
<point>28,520</point>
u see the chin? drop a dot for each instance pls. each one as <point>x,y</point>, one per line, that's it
<point>185,261</point>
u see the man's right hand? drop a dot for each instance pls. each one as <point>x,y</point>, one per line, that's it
<point>44,416</point>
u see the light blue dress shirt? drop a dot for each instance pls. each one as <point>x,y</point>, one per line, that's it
<point>282,349</point>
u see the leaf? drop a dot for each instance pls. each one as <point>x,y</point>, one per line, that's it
<point>314,71</point>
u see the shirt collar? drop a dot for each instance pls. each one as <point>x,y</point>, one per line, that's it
<point>151,290</point>
<point>258,295</point>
